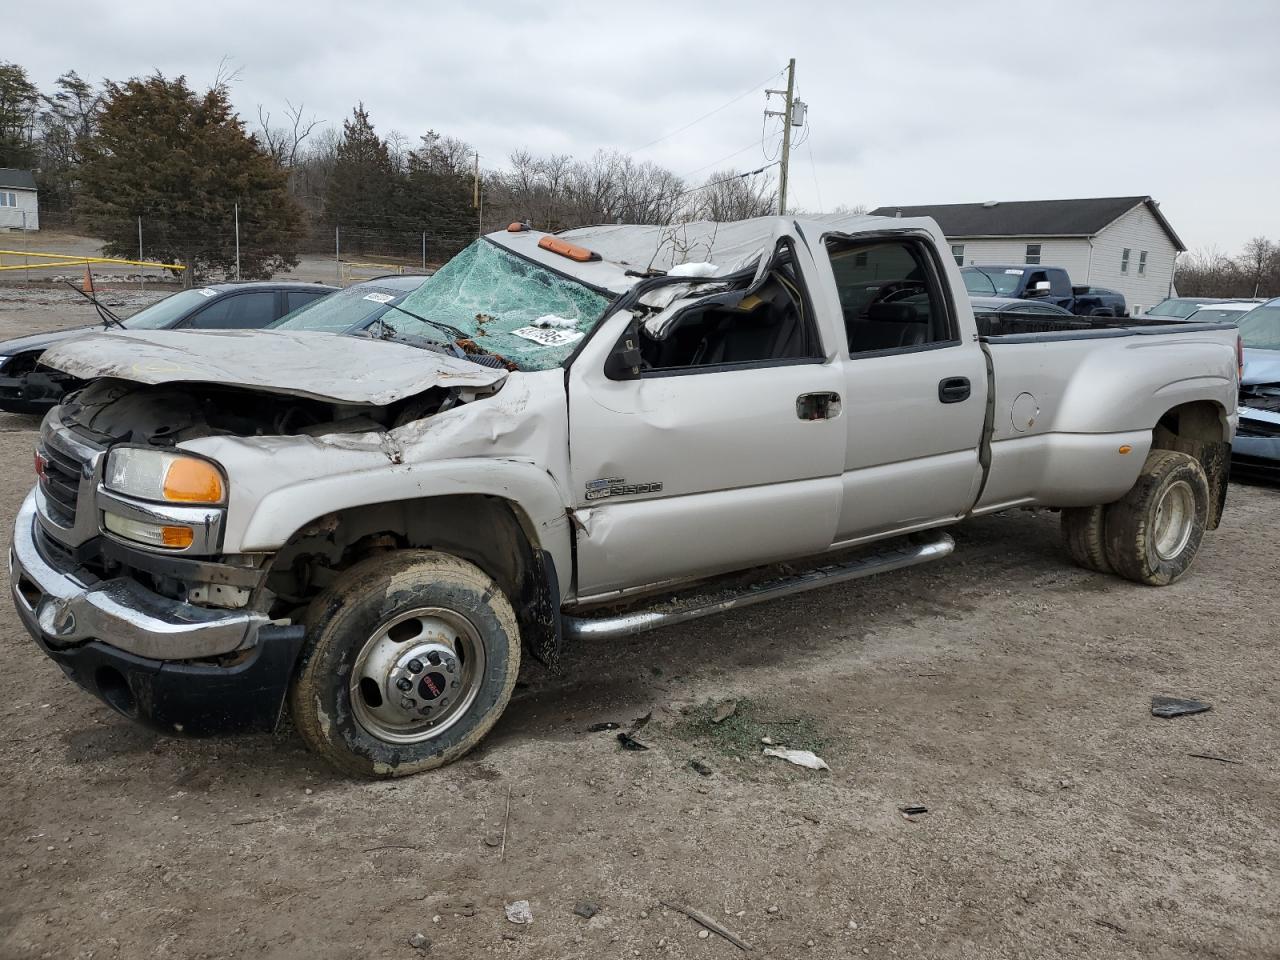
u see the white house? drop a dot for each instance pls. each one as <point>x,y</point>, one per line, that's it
<point>1122,243</point>
<point>19,201</point>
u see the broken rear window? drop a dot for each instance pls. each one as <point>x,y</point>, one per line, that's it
<point>508,306</point>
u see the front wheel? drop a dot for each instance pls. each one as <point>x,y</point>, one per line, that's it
<point>1154,531</point>
<point>410,660</point>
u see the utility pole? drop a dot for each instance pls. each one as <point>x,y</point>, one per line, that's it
<point>477,200</point>
<point>786,114</point>
<point>142,284</point>
<point>237,242</point>
<point>337,253</point>
<point>424,251</point>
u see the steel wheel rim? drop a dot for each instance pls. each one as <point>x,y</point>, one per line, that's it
<point>1174,521</point>
<point>417,675</point>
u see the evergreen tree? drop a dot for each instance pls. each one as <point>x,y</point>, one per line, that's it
<point>19,101</point>
<point>181,161</point>
<point>363,184</point>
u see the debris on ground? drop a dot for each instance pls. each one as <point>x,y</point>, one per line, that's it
<point>601,727</point>
<point>420,941</point>
<point>911,809</point>
<point>630,743</point>
<point>493,840</point>
<point>1169,707</point>
<point>1210,756</point>
<point>639,722</point>
<point>586,909</point>
<point>519,911</point>
<point>801,758</point>
<point>709,922</point>
<point>724,711</point>
<point>700,767</point>
<point>1110,925</point>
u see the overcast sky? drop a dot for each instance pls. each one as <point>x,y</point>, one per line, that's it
<point>909,102</point>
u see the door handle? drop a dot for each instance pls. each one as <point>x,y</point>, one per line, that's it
<point>818,406</point>
<point>953,389</point>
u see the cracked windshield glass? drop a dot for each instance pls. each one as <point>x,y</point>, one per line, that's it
<point>508,306</point>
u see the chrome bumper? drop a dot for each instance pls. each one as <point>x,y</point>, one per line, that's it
<point>62,606</point>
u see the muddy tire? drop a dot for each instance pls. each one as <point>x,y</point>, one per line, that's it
<point>409,661</point>
<point>1154,531</point>
<point>1083,533</point>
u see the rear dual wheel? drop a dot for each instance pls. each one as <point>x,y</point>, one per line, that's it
<point>1152,533</point>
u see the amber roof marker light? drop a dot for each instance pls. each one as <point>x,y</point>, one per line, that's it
<point>565,249</point>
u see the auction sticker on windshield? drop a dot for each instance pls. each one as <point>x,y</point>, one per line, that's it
<point>379,297</point>
<point>206,292</point>
<point>548,338</point>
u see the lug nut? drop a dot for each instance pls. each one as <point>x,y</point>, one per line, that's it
<point>405,684</point>
<point>434,658</point>
<point>407,703</point>
<point>415,666</point>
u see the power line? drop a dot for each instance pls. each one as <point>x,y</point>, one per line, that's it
<point>716,183</point>
<point>750,146</point>
<point>709,113</point>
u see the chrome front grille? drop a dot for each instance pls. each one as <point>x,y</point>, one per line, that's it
<point>65,492</point>
<point>60,481</point>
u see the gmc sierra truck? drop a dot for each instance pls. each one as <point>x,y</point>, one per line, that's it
<point>1047,284</point>
<point>569,436</point>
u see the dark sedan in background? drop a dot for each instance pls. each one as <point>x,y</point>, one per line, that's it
<point>356,308</point>
<point>25,387</point>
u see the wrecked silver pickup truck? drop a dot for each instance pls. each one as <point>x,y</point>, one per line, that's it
<point>552,438</point>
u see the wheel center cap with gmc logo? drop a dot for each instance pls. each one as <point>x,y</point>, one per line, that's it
<point>432,685</point>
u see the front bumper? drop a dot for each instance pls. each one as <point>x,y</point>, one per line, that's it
<point>1255,458</point>
<point>134,649</point>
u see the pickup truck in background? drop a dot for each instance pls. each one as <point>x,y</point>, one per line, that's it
<point>1049,284</point>
<point>576,435</point>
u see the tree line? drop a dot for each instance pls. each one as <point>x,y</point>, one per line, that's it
<point>183,162</point>
<point>1255,272</point>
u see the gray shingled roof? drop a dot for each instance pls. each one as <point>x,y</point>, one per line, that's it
<point>17,179</point>
<point>1030,218</point>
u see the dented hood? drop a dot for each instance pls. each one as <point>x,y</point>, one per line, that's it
<point>324,366</point>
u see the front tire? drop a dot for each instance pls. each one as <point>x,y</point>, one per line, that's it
<point>410,659</point>
<point>1154,531</point>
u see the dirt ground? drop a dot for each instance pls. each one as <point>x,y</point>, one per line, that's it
<point>1003,689</point>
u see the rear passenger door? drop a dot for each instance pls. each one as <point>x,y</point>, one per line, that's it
<point>915,393</point>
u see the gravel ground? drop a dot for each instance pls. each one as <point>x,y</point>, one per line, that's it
<point>1003,689</point>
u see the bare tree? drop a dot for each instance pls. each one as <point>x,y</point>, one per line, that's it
<point>730,195</point>
<point>284,143</point>
<point>1258,262</point>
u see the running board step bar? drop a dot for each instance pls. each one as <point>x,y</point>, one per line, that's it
<point>694,606</point>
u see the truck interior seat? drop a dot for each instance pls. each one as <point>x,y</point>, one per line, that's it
<point>887,326</point>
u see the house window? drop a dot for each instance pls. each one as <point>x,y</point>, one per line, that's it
<point>957,251</point>
<point>1142,262</point>
<point>860,259</point>
<point>4,199</point>
<point>1033,253</point>
<point>1135,310</point>
<point>1124,260</point>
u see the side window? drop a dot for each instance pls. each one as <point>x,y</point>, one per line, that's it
<point>1142,262</point>
<point>957,251</point>
<point>1124,260</point>
<point>237,311</point>
<point>890,297</point>
<point>300,298</point>
<point>768,324</point>
<point>1033,253</point>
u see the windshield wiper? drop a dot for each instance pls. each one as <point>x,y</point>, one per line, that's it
<point>438,324</point>
<point>107,317</point>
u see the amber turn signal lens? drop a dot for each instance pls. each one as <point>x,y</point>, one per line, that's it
<point>178,537</point>
<point>1125,448</point>
<point>192,481</point>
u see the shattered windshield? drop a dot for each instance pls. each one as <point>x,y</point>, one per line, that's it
<point>508,306</point>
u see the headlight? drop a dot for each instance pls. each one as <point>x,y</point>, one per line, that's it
<point>163,476</point>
